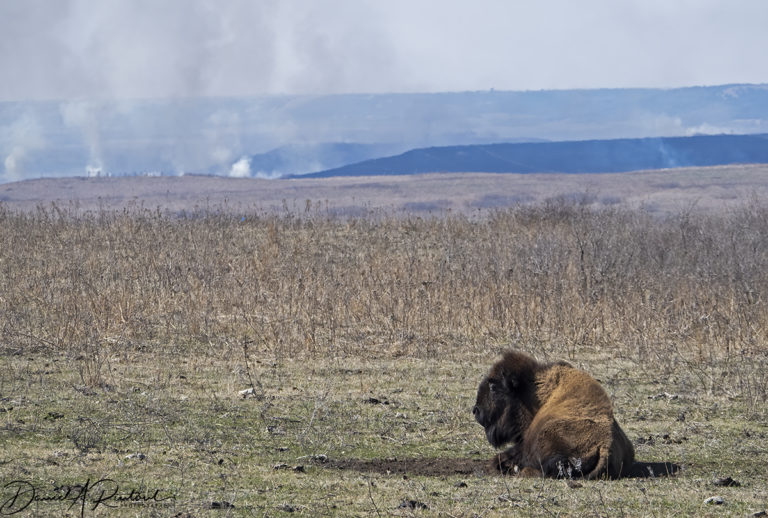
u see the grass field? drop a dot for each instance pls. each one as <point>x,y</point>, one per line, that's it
<point>662,192</point>
<point>220,364</point>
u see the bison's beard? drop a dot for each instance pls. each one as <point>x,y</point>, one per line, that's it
<point>507,427</point>
<point>498,434</point>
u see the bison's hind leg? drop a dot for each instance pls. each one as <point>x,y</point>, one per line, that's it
<point>560,466</point>
<point>563,466</point>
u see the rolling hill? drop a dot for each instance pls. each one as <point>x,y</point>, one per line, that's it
<point>287,135</point>
<point>588,156</point>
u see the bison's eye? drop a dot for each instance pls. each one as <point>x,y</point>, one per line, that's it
<point>494,386</point>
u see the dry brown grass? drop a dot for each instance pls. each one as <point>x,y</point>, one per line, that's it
<point>555,277</point>
<point>364,339</point>
<point>661,191</point>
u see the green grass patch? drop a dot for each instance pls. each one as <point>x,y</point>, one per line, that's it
<point>341,437</point>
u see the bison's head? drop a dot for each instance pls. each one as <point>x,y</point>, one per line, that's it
<point>504,405</point>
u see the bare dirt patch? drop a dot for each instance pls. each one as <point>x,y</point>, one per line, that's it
<point>432,467</point>
<point>429,467</point>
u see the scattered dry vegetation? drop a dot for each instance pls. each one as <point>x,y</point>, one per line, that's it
<point>661,192</point>
<point>127,336</point>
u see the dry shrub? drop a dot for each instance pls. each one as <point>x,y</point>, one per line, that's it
<point>683,290</point>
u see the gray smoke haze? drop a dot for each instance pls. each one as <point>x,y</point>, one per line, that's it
<point>74,49</point>
<point>83,117</point>
<point>24,136</point>
<point>103,63</point>
<point>65,49</point>
<point>96,59</point>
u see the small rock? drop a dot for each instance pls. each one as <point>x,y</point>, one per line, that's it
<point>759,513</point>
<point>667,439</point>
<point>460,484</point>
<point>221,505</point>
<point>299,469</point>
<point>280,466</point>
<point>646,440</point>
<point>716,500</point>
<point>84,390</point>
<point>664,395</point>
<point>139,456</point>
<point>726,482</point>
<point>288,508</point>
<point>322,459</point>
<point>412,504</point>
<point>249,392</point>
<point>376,401</point>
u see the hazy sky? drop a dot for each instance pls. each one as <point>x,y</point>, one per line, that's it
<point>77,49</point>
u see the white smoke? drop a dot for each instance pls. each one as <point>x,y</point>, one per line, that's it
<point>175,48</point>
<point>17,141</point>
<point>708,129</point>
<point>241,168</point>
<point>12,163</point>
<point>222,134</point>
<point>130,49</point>
<point>84,116</point>
<point>93,171</point>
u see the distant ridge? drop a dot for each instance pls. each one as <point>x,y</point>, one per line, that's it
<point>586,156</point>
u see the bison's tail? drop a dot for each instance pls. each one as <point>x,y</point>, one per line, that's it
<point>601,468</point>
<point>609,466</point>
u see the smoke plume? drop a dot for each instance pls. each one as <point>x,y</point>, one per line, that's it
<point>21,137</point>
<point>241,168</point>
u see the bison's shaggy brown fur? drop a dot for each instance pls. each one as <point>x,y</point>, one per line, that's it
<point>558,418</point>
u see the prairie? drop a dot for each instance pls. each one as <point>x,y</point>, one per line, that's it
<point>218,362</point>
<point>662,192</point>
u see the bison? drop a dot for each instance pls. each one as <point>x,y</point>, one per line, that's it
<point>558,418</point>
